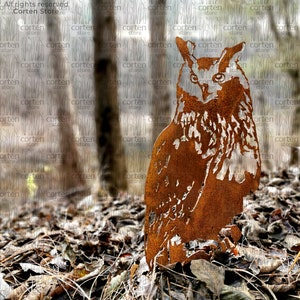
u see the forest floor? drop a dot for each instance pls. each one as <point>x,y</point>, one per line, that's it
<point>94,249</point>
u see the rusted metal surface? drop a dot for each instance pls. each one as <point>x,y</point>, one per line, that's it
<point>205,161</point>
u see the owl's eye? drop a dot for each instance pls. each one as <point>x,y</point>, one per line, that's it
<point>194,78</point>
<point>219,77</point>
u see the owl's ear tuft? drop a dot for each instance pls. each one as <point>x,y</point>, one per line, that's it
<point>186,49</point>
<point>237,50</point>
<point>231,55</point>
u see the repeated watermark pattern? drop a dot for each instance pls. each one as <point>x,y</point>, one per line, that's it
<point>28,116</point>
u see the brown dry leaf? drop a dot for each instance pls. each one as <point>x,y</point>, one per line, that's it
<point>281,288</point>
<point>111,244</point>
<point>235,233</point>
<point>231,231</point>
<point>252,229</point>
<point>15,254</point>
<point>213,276</point>
<point>40,287</point>
<point>276,230</point>
<point>18,292</point>
<point>73,226</point>
<point>89,271</point>
<point>79,272</point>
<point>261,266</point>
<point>261,261</point>
<point>237,293</point>
<point>133,269</point>
<point>291,242</point>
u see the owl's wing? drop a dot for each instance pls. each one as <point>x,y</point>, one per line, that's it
<point>176,174</point>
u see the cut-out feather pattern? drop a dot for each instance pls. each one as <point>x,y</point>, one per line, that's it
<point>205,161</point>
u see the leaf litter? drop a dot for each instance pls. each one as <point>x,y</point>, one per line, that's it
<point>94,249</point>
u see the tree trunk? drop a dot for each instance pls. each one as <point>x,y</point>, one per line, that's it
<point>295,132</point>
<point>288,45</point>
<point>160,89</point>
<point>265,147</point>
<point>111,154</point>
<point>71,170</point>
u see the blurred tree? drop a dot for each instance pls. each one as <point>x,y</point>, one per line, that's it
<point>284,17</point>
<point>158,56</point>
<point>265,145</point>
<point>71,169</point>
<point>111,154</point>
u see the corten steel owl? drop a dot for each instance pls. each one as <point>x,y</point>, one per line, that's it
<point>205,161</point>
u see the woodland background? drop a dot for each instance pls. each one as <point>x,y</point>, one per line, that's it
<point>48,97</point>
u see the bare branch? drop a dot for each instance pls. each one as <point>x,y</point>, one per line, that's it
<point>287,19</point>
<point>273,25</point>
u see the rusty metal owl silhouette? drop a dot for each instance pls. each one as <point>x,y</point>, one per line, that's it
<point>205,161</point>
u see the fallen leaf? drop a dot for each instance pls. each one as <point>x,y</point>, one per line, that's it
<point>230,292</point>
<point>177,295</point>
<point>59,262</point>
<point>146,287</point>
<point>276,181</point>
<point>213,276</point>
<point>34,268</point>
<point>259,262</point>
<point>116,282</point>
<point>4,288</point>
<point>292,241</point>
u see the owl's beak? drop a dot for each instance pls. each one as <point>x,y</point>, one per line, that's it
<point>205,93</point>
